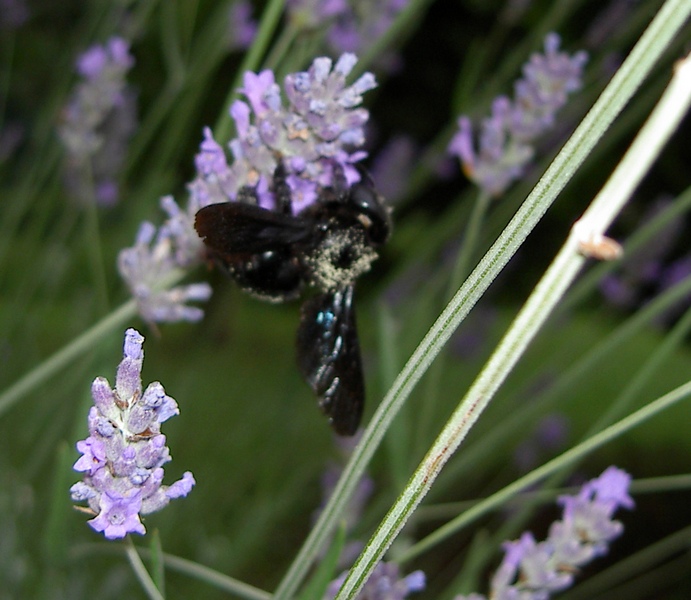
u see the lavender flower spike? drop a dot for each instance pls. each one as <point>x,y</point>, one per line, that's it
<point>99,119</point>
<point>123,457</point>
<point>504,146</point>
<point>150,265</point>
<point>315,127</point>
<point>534,570</point>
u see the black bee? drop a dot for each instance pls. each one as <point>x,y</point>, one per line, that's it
<point>275,255</point>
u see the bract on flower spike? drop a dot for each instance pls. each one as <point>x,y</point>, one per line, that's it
<point>123,457</point>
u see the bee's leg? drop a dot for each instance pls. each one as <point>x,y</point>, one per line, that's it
<point>247,195</point>
<point>340,183</point>
<point>284,202</point>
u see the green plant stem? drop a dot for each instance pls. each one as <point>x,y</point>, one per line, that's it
<point>93,240</point>
<point>576,453</point>
<point>214,578</point>
<point>267,26</point>
<point>568,380</point>
<point>599,215</point>
<point>467,250</point>
<point>140,571</point>
<point>63,357</point>
<point>620,89</point>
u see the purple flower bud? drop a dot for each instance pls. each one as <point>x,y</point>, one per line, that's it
<point>80,492</point>
<point>93,455</point>
<point>128,381</point>
<point>181,487</point>
<point>123,456</point>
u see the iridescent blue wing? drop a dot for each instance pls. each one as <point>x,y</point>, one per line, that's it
<point>329,357</point>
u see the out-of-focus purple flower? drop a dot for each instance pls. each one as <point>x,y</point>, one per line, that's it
<point>317,130</point>
<point>385,583</point>
<point>11,137</point>
<point>13,14</point>
<point>310,14</point>
<point>99,120</point>
<point>150,265</point>
<point>242,27</point>
<point>363,24</point>
<point>533,570</point>
<point>549,435</point>
<point>350,26</point>
<point>123,456</point>
<point>392,166</point>
<point>503,148</point>
<point>643,272</point>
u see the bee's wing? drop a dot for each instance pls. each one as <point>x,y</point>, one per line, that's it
<point>329,357</point>
<point>230,228</point>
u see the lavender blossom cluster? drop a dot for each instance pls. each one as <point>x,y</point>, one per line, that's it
<point>504,145</point>
<point>317,132</point>
<point>320,129</point>
<point>534,570</point>
<point>123,457</point>
<point>99,120</point>
<point>156,259</point>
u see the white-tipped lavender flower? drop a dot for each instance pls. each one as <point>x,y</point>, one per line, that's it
<point>385,583</point>
<point>503,147</point>
<point>99,119</point>
<point>317,129</point>
<point>534,570</point>
<point>150,265</point>
<point>123,456</point>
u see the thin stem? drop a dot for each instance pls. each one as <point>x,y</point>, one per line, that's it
<point>574,454</point>
<point>93,238</point>
<point>140,571</point>
<point>470,239</point>
<point>269,21</point>
<point>63,357</point>
<point>214,578</point>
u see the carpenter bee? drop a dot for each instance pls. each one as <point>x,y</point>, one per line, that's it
<point>275,254</point>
